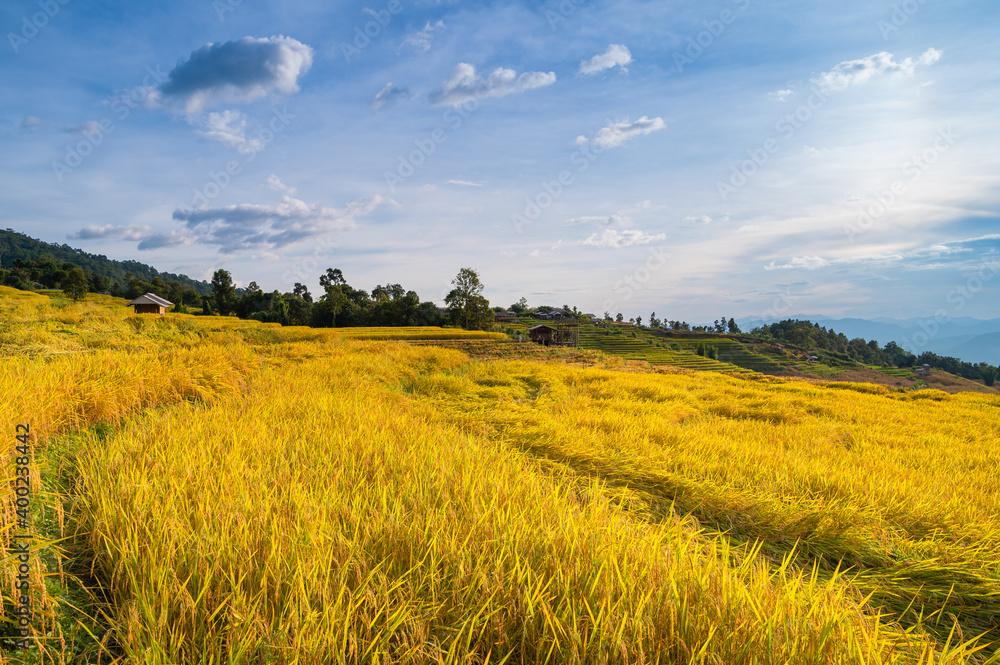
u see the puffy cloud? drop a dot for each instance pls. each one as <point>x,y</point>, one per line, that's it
<point>781,95</point>
<point>274,182</point>
<point>260,227</point>
<point>388,96</point>
<point>241,70</point>
<point>110,231</point>
<point>89,127</point>
<point>616,133</point>
<point>616,56</point>
<point>613,238</point>
<point>174,238</point>
<point>465,84</point>
<point>421,40</point>
<point>854,72</point>
<point>230,128</point>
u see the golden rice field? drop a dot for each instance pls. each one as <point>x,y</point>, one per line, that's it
<point>220,491</point>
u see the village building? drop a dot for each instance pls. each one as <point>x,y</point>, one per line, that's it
<point>150,303</point>
<point>554,314</point>
<point>542,334</point>
<point>505,317</point>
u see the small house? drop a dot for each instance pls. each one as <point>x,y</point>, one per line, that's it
<point>150,303</point>
<point>541,334</point>
<point>505,317</point>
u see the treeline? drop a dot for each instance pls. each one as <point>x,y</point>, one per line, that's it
<point>25,261</point>
<point>342,305</point>
<point>49,273</point>
<point>818,338</point>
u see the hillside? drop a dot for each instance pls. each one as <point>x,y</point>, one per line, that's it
<point>971,340</point>
<point>15,245</point>
<point>234,491</point>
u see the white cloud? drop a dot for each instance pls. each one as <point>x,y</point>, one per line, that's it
<point>616,56</point>
<point>247,226</point>
<point>241,70</point>
<point>700,220</point>
<point>813,151</point>
<point>229,128</point>
<point>800,262</point>
<point>613,238</point>
<point>421,40</point>
<point>90,127</point>
<point>748,228</point>
<point>854,72</point>
<point>781,95</point>
<point>274,182</point>
<point>616,133</point>
<point>110,231</point>
<point>389,96</point>
<point>465,183</point>
<point>465,84</point>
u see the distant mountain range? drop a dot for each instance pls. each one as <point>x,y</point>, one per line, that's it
<point>965,338</point>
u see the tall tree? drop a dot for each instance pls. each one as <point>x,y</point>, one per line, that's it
<point>466,299</point>
<point>75,284</point>
<point>301,291</point>
<point>223,292</point>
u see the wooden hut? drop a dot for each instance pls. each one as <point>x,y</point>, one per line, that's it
<point>150,303</point>
<point>541,334</point>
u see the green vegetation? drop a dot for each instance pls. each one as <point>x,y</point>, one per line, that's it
<point>836,346</point>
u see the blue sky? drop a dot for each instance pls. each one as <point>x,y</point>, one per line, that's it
<point>740,157</point>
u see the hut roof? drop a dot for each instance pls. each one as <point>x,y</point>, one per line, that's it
<point>540,326</point>
<point>150,299</point>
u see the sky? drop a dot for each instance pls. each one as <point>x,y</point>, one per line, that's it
<point>740,158</point>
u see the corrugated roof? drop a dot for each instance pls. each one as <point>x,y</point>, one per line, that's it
<point>150,299</point>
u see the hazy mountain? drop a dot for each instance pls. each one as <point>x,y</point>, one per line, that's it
<point>965,338</point>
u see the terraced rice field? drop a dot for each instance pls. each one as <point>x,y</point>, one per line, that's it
<point>214,491</point>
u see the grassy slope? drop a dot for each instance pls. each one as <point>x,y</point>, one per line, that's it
<point>300,497</point>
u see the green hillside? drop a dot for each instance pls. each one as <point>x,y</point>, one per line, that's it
<point>16,246</point>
